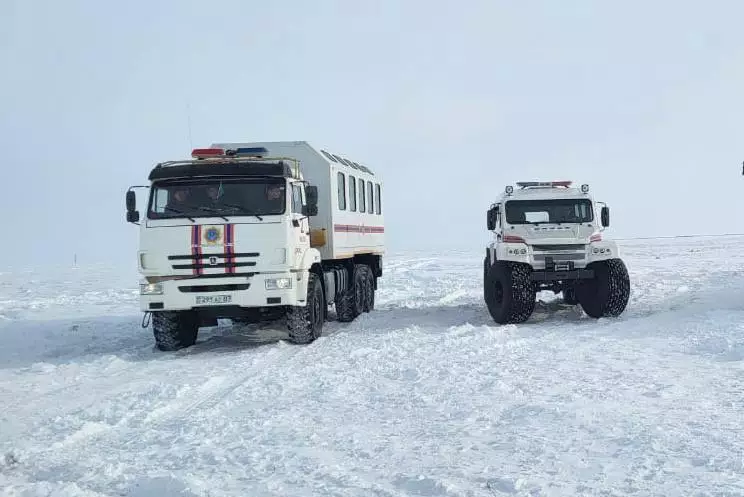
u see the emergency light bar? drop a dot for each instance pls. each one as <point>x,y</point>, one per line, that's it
<point>526,184</point>
<point>247,152</point>
<point>203,153</point>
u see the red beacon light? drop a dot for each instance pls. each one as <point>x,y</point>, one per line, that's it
<point>205,153</point>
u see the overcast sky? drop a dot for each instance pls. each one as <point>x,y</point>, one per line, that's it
<point>449,101</point>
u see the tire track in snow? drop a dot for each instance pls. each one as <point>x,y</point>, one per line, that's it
<point>178,412</point>
<point>105,384</point>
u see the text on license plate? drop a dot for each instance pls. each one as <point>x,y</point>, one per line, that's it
<point>213,299</point>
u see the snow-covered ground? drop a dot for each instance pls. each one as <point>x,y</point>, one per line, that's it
<point>425,396</point>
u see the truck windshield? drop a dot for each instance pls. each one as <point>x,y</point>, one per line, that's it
<point>549,211</point>
<point>210,198</point>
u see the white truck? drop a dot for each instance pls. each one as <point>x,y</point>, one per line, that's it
<point>548,236</point>
<point>258,231</point>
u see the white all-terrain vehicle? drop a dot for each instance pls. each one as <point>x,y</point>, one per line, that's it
<point>548,237</point>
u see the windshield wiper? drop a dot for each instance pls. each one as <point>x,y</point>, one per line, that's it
<point>214,211</point>
<point>177,211</point>
<point>243,210</point>
<point>209,209</point>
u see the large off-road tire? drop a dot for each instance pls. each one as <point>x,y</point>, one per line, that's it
<point>607,294</point>
<point>345,307</point>
<point>360,276</point>
<point>345,304</point>
<point>305,324</point>
<point>368,304</point>
<point>351,303</point>
<point>174,330</point>
<point>509,293</point>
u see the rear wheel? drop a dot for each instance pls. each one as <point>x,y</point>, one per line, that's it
<point>174,330</point>
<point>345,308</point>
<point>356,298</point>
<point>305,324</point>
<point>509,292</point>
<point>360,277</point>
<point>369,290</point>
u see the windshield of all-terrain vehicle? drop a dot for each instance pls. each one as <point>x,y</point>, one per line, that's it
<point>549,211</point>
<point>208,198</point>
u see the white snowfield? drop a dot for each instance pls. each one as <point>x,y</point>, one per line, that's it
<point>425,396</point>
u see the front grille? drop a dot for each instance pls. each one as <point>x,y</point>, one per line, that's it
<point>567,247</point>
<point>199,262</point>
<point>559,253</point>
<point>214,288</point>
<point>191,257</point>
<point>560,257</point>
<point>214,266</point>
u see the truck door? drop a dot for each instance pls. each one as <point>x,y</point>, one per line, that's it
<point>300,223</point>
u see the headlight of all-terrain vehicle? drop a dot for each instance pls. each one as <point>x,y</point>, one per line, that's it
<point>151,288</point>
<point>597,250</point>
<point>517,251</point>
<point>278,283</point>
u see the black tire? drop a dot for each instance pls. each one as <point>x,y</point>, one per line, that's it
<point>607,294</point>
<point>305,324</point>
<point>174,330</point>
<point>369,290</point>
<point>345,304</point>
<point>569,296</point>
<point>509,293</point>
<point>360,277</point>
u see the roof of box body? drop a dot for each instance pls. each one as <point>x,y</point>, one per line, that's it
<point>325,155</point>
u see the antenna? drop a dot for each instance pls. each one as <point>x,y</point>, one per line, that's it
<point>188,119</point>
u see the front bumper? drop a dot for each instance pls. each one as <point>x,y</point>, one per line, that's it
<point>576,274</point>
<point>240,291</point>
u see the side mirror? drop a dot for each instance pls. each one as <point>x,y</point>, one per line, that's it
<point>132,213</point>
<point>491,217</point>
<point>605,216</point>
<point>311,201</point>
<point>131,201</point>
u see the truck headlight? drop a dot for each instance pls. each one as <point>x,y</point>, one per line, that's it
<point>278,283</point>
<point>151,288</point>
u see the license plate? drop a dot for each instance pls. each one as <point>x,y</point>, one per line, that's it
<point>213,299</point>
